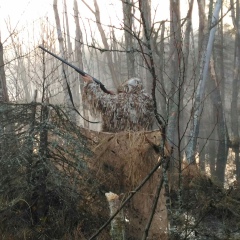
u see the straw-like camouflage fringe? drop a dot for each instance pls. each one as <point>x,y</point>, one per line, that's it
<point>131,109</point>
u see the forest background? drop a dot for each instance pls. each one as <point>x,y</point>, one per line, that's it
<point>186,52</point>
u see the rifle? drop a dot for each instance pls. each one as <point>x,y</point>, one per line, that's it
<point>77,70</point>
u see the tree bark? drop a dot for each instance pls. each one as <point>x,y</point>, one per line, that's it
<point>129,41</point>
<point>160,55</point>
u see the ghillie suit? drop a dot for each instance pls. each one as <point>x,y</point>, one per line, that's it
<point>130,109</point>
<point>121,161</point>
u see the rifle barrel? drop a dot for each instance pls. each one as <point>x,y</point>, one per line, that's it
<point>76,69</point>
<point>62,60</point>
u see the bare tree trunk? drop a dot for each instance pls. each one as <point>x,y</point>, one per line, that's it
<point>221,76</point>
<point>184,76</point>
<point>212,149</point>
<point>191,149</point>
<point>222,152</point>
<point>71,73</point>
<point>79,63</point>
<point>176,78</point>
<point>162,95</point>
<point>3,84</point>
<point>69,44</point>
<point>186,42</point>
<point>62,54</point>
<point>129,41</point>
<point>175,99</point>
<point>145,10</point>
<point>116,55</point>
<point>202,28</point>
<point>204,23</point>
<point>235,142</point>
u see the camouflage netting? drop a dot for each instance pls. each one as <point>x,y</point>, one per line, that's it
<point>120,162</point>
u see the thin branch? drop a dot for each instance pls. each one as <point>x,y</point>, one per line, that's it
<point>145,235</point>
<point>127,200</point>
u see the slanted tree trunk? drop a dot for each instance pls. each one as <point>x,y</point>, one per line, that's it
<point>219,59</point>
<point>163,103</point>
<point>198,104</point>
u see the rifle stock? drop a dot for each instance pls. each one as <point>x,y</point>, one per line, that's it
<point>76,69</point>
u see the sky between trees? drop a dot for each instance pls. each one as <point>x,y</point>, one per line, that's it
<point>27,14</point>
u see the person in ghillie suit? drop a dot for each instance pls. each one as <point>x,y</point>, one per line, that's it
<point>130,109</point>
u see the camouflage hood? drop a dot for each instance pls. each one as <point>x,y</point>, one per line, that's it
<point>133,85</point>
